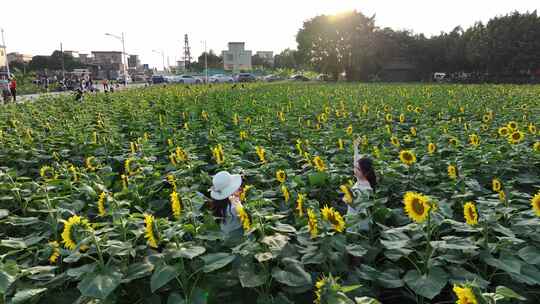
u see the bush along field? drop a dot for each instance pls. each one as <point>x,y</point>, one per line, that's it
<point>105,201</point>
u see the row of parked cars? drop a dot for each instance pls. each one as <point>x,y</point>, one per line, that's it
<point>222,78</point>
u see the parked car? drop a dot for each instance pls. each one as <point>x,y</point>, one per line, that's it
<point>120,79</point>
<point>220,78</point>
<point>187,79</point>
<point>157,79</point>
<point>299,78</point>
<point>271,78</point>
<point>245,77</point>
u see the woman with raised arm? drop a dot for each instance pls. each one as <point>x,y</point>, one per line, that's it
<point>366,180</point>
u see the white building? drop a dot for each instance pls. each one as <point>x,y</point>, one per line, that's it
<point>236,58</point>
<point>267,56</point>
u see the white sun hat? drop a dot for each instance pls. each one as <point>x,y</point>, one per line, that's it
<point>224,185</point>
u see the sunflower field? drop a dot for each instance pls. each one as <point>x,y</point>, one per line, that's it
<point>105,200</point>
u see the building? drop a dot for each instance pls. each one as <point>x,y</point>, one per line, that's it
<point>3,57</point>
<point>17,57</point>
<point>181,65</point>
<point>267,56</point>
<point>236,58</point>
<point>74,54</point>
<point>109,64</point>
<point>399,70</point>
<point>134,62</point>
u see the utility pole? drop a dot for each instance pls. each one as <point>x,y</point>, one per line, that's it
<point>187,52</point>
<point>63,64</point>
<point>162,57</point>
<point>5,51</point>
<point>124,59</point>
<point>205,60</point>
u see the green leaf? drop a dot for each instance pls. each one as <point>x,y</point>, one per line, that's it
<point>293,275</point>
<point>24,296</point>
<point>188,252</point>
<point>175,298</point>
<point>427,285</point>
<point>530,254</point>
<point>366,300</point>
<point>137,271</point>
<point>215,261</point>
<point>275,242</point>
<point>162,275</point>
<point>249,278</point>
<point>356,250</point>
<point>4,213</point>
<point>100,284</point>
<point>317,179</point>
<point>508,293</point>
<point>507,264</point>
<point>5,281</point>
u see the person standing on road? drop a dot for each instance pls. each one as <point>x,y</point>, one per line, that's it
<point>4,89</point>
<point>13,89</point>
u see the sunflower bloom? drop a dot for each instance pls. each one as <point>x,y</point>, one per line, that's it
<point>407,157</point>
<point>217,152</point>
<point>319,164</point>
<point>496,185</point>
<point>260,153</point>
<point>244,218</point>
<point>55,252</point>
<point>452,172</point>
<point>536,146</point>
<point>172,181</point>
<point>432,148</point>
<point>334,218</point>
<point>349,130</point>
<point>149,233</point>
<point>312,223</point>
<point>389,117</point>
<point>89,163</point>
<point>394,141</point>
<point>48,173</point>
<point>465,295</point>
<point>513,126</point>
<point>101,204</point>
<point>532,128</point>
<point>347,198</point>
<point>503,131</point>
<point>300,204</point>
<point>285,193</point>
<point>69,226</point>
<point>319,286</point>
<point>516,137</point>
<point>470,213</point>
<point>244,192</point>
<point>413,131</point>
<point>176,206</point>
<point>281,176</point>
<point>474,140</point>
<point>340,144</point>
<point>417,206</point>
<point>402,118</point>
<point>180,154</point>
<point>502,196</point>
<point>535,203</point>
<point>74,173</point>
<point>243,135</point>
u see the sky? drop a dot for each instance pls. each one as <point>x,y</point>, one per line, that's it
<point>38,27</point>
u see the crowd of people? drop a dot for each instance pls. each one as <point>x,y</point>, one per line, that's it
<point>8,87</point>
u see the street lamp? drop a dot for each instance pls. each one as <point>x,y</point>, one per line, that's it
<point>5,51</point>
<point>205,60</point>
<point>121,38</point>
<point>162,57</point>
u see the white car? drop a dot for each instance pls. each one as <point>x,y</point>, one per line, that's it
<point>187,79</point>
<point>220,78</point>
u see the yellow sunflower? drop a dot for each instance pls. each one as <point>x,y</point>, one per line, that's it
<point>416,206</point>
<point>413,131</point>
<point>470,213</point>
<point>69,237</point>
<point>55,249</point>
<point>243,216</point>
<point>465,295</point>
<point>89,163</point>
<point>496,185</point>
<point>260,153</point>
<point>452,172</point>
<point>281,176</point>
<point>388,117</point>
<point>453,141</point>
<point>535,203</point>
<point>347,198</point>
<point>312,223</point>
<point>176,206</point>
<point>300,204</point>
<point>410,108</point>
<point>340,144</point>
<point>334,218</point>
<point>319,164</point>
<point>503,131</point>
<point>407,157</point>
<point>502,196</point>
<point>512,126</point>
<point>349,130</point>
<point>536,146</point>
<point>474,140</point>
<point>101,204</point>
<point>150,233</point>
<point>486,118</point>
<point>432,148</point>
<point>395,141</point>
<point>402,118</point>
<point>516,137</point>
<point>47,173</point>
<point>285,193</point>
<point>532,128</point>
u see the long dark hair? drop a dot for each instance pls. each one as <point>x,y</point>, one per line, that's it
<point>366,165</point>
<point>219,207</point>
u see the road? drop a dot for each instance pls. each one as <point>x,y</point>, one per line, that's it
<point>33,97</point>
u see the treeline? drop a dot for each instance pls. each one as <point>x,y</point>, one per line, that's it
<point>350,44</point>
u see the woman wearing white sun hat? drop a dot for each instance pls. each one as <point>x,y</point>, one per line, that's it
<point>225,193</point>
